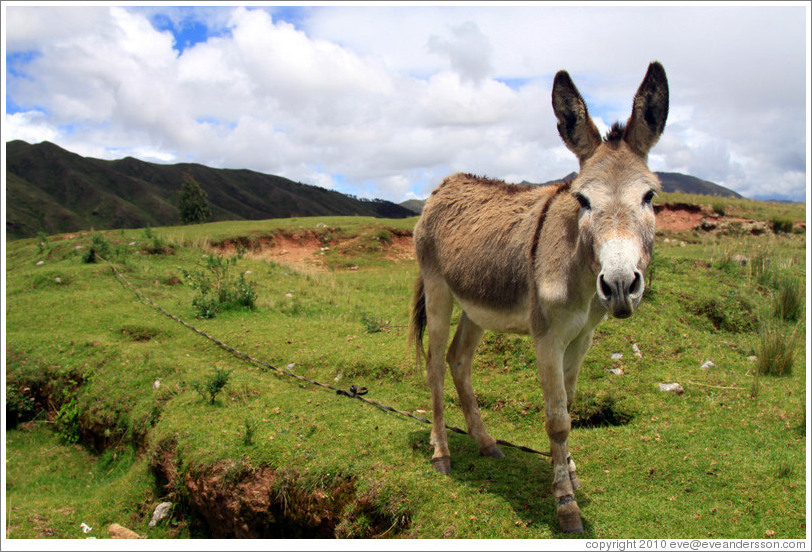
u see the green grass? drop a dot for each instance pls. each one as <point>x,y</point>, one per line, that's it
<point>713,462</point>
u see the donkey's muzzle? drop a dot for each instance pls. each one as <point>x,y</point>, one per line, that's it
<point>620,292</point>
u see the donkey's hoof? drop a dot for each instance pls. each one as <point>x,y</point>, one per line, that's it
<point>442,464</point>
<point>491,450</point>
<point>569,516</point>
<point>574,481</point>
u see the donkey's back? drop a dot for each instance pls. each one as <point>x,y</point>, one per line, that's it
<point>473,233</point>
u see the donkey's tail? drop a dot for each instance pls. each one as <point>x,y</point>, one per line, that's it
<point>417,327</point>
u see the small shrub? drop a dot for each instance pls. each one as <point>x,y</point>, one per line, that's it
<point>789,298</point>
<point>98,247</point>
<point>781,226</point>
<point>372,325</point>
<point>210,387</point>
<point>206,305</point>
<point>42,242</point>
<point>775,349</point>
<point>217,289</point>
<point>158,246</point>
<point>67,422</point>
<point>20,405</point>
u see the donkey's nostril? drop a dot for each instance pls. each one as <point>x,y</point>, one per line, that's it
<point>606,289</point>
<point>637,283</point>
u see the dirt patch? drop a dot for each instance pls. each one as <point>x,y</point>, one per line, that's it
<point>308,248</point>
<point>684,217</point>
<point>299,249</point>
<point>236,501</point>
<point>678,217</point>
<point>401,248</point>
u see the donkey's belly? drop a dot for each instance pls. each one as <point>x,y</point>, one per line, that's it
<point>508,321</point>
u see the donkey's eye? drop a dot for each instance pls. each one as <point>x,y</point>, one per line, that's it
<point>649,197</point>
<point>582,200</point>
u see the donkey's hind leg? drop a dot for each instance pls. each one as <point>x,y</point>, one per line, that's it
<point>460,357</point>
<point>439,304</point>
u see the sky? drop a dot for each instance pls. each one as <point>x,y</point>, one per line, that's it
<point>383,100</point>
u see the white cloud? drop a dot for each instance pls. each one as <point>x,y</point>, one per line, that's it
<point>468,50</point>
<point>31,126</point>
<point>385,101</point>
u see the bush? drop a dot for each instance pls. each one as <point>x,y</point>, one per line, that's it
<point>20,405</point>
<point>158,246</point>
<point>372,325</point>
<point>217,290</point>
<point>210,387</point>
<point>67,422</point>
<point>781,226</point>
<point>98,246</point>
<point>775,349</point>
<point>42,242</point>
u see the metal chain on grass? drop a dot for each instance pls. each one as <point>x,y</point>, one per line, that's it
<point>354,391</point>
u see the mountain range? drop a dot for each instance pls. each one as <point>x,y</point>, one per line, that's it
<point>681,183</point>
<point>52,190</point>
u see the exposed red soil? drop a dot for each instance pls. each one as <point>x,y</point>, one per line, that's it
<point>307,248</point>
<point>678,218</point>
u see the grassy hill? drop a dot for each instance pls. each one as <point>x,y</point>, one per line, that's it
<point>108,413</point>
<point>53,190</point>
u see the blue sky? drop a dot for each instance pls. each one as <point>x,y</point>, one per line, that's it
<point>384,101</point>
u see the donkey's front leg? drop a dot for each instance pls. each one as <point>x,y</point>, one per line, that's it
<point>550,355</point>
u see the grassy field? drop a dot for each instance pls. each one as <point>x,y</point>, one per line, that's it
<point>109,415</point>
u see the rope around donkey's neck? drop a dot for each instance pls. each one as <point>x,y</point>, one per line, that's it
<point>353,392</point>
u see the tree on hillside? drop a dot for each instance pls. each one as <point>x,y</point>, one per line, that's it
<point>194,203</point>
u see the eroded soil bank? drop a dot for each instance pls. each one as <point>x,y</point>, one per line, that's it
<point>229,500</point>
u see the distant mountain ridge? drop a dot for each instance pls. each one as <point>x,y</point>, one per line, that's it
<point>677,183</point>
<point>53,190</point>
<point>671,182</point>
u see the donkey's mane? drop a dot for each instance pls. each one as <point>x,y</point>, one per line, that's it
<point>501,184</point>
<point>615,134</point>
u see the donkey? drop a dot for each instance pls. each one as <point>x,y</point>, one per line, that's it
<point>546,261</point>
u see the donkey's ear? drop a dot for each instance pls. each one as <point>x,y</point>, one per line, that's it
<point>649,111</point>
<point>574,124</point>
